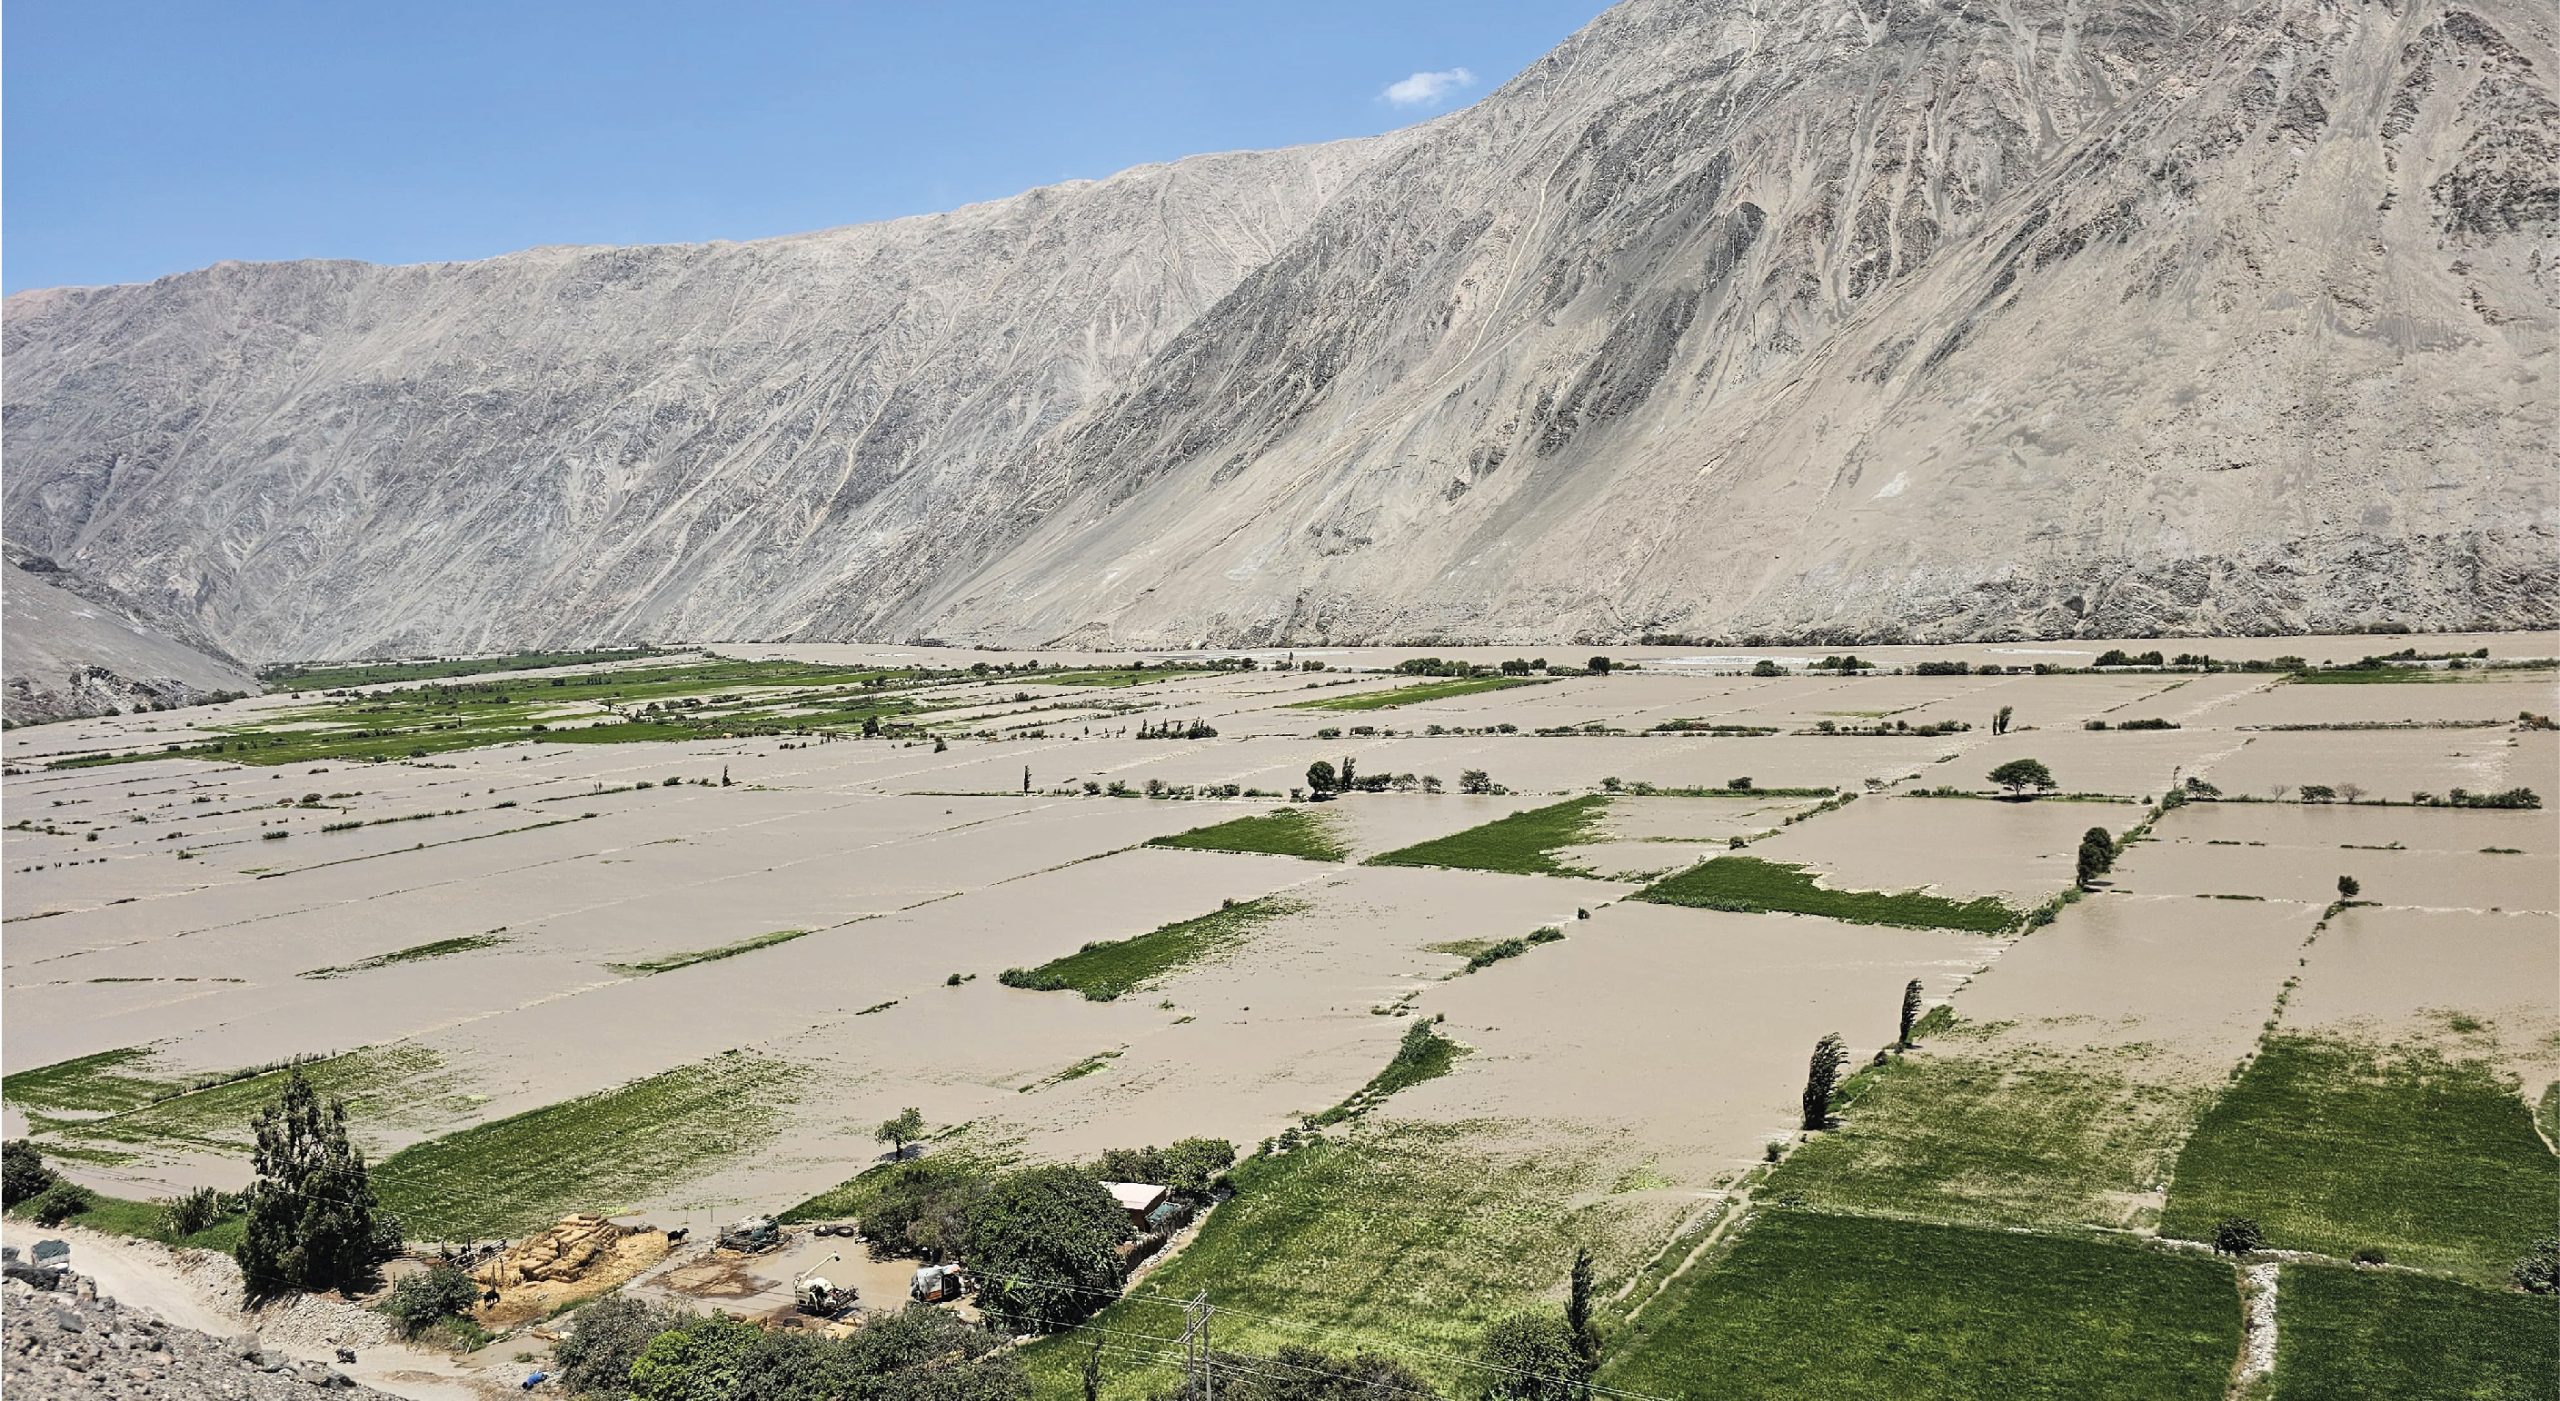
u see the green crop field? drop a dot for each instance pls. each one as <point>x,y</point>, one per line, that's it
<point>1105,969</point>
<point>2343,1332</point>
<point>104,1083</point>
<point>598,1152</point>
<point>1748,884</point>
<point>1525,843</point>
<point>326,676</point>
<point>668,963</point>
<point>2335,1147</point>
<point>1112,676</point>
<point>2026,1136</point>
<point>1815,1306</point>
<point>1400,1236</point>
<point>1415,695</point>
<point>390,1086</point>
<point>439,948</point>
<point>1286,832</point>
<point>958,1154</point>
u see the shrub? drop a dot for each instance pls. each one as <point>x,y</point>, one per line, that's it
<point>60,1202</point>
<point>2238,1235</point>
<point>1531,1357</point>
<point>2372,1255</point>
<point>606,1337</point>
<point>422,1300</point>
<point>23,1174</point>
<point>2539,1271</point>
<point>200,1210</point>
<point>2348,888</point>
<point>1766,667</point>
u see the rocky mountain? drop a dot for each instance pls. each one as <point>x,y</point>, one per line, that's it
<point>63,654</point>
<point>1836,320</point>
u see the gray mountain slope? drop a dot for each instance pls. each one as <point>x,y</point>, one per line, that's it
<point>64,655</point>
<point>1831,320</point>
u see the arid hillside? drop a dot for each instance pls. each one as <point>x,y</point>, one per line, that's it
<point>1832,321</point>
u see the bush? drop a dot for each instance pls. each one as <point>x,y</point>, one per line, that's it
<point>1531,1357</point>
<point>1193,1168</point>
<point>606,1337</point>
<point>23,1174</point>
<point>922,1207</point>
<point>2239,1235</point>
<point>421,1301</point>
<point>2539,1271</point>
<point>1766,667</point>
<point>918,1352</point>
<point>2372,1255</point>
<point>200,1210</point>
<point>59,1203</point>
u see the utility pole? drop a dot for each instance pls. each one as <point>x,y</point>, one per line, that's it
<point>1195,1343</point>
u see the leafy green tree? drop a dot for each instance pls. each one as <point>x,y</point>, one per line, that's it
<point>2092,863</point>
<point>1531,1357</point>
<point>1597,666</point>
<point>1766,667</point>
<point>2239,1235</point>
<point>1821,1077</point>
<point>1910,1014</point>
<point>313,1222</point>
<point>899,1130</point>
<point>1320,778</point>
<point>2104,841</point>
<point>2000,722</point>
<point>2349,888</point>
<point>1474,781</point>
<point>2017,775</point>
<point>1041,1243</point>
<point>22,1172</point>
<point>606,1337</point>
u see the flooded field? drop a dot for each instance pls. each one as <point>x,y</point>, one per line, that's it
<point>738,920</point>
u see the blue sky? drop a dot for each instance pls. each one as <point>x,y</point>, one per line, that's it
<point>146,137</point>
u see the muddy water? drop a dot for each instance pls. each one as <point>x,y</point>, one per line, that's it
<point>2389,974</point>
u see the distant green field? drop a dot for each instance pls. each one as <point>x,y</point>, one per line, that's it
<point>668,963</point>
<point>387,1086</point>
<point>1751,885</point>
<point>1423,1054</point>
<point>2335,1146</point>
<point>1112,676</point>
<point>332,676</point>
<point>2018,1136</point>
<point>2417,675</point>
<point>1105,969</point>
<point>1811,1307</point>
<point>1525,843</point>
<point>1403,1236</point>
<point>2344,1332</point>
<point>104,1083</point>
<point>1286,832</point>
<point>1415,695</point>
<point>599,1152</point>
<point>439,948</point>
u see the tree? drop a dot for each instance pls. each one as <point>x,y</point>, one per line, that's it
<point>1597,666</point>
<point>1350,774</point>
<point>2351,792</point>
<point>905,1128</point>
<point>2349,888</point>
<point>2318,793</point>
<point>2000,721</point>
<point>1531,1357</point>
<point>1320,779</point>
<point>22,1172</point>
<point>1474,781</point>
<point>2539,1271</point>
<point>313,1222</point>
<point>2017,775</point>
<point>1041,1242</point>
<point>1577,1313</point>
<point>2238,1235</point>
<point>1910,1014</point>
<point>422,1300</point>
<point>606,1337</point>
<point>1821,1077</point>
<point>2104,841</point>
<point>1766,667</point>
<point>2092,863</point>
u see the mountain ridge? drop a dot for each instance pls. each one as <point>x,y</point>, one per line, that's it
<point>1862,322</point>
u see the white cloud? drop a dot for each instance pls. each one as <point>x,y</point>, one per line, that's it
<point>1423,89</point>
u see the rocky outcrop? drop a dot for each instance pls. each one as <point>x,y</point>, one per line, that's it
<point>67,655</point>
<point>1851,320</point>
<point>66,1341</point>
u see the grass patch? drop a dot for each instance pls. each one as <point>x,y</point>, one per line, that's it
<point>954,1156</point>
<point>2335,1146</point>
<point>100,1083</point>
<point>393,1086</point>
<point>1424,1054</point>
<point>1285,832</point>
<point>2028,1136</point>
<point>1750,885</point>
<point>1525,843</point>
<point>2344,1332</point>
<point>147,1220</point>
<point>600,1152</point>
<point>440,948</point>
<point>1106,968</point>
<point>1408,1237</point>
<point>1818,1306</point>
<point>1486,955</point>
<point>1416,695</point>
<point>669,963</point>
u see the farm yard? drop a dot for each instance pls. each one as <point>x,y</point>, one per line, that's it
<point>1474,966</point>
